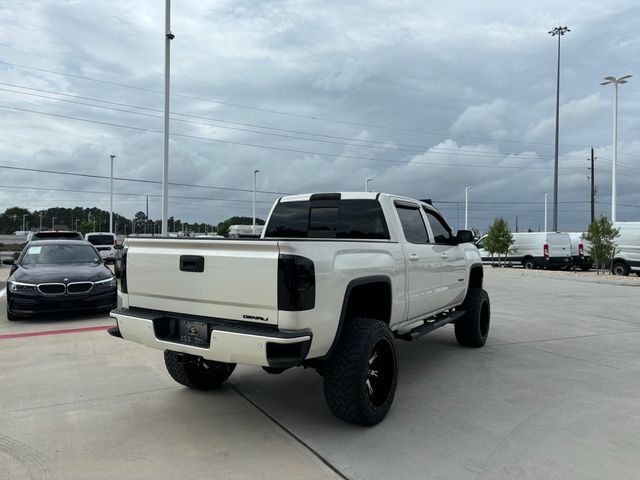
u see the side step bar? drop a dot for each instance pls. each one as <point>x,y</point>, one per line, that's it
<point>431,324</point>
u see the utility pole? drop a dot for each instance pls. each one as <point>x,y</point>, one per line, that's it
<point>111,197</point>
<point>593,186</point>
<point>516,223</point>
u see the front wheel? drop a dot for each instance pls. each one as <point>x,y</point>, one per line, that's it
<point>195,372</point>
<point>361,377</point>
<point>472,329</point>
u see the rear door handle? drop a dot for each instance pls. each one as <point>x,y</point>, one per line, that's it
<point>191,263</point>
<point>413,256</point>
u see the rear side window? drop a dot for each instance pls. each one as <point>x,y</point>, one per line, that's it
<point>353,219</point>
<point>101,239</point>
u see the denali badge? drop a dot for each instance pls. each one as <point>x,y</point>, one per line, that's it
<point>255,317</point>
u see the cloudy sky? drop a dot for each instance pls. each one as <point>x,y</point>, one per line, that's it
<point>424,98</point>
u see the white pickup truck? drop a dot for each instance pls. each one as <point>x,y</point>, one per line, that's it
<point>334,280</point>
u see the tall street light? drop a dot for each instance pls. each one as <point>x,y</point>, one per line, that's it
<point>616,82</point>
<point>466,207</point>
<point>545,211</point>
<point>366,184</point>
<point>24,226</point>
<point>165,164</point>
<point>111,198</point>
<point>53,223</point>
<point>559,31</point>
<point>253,229</point>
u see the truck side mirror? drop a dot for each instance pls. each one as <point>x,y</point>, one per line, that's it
<point>464,236</point>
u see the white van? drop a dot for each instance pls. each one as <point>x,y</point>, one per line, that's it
<point>535,250</point>
<point>104,242</point>
<point>580,251</point>
<point>627,256</point>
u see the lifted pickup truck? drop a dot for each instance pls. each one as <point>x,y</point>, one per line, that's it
<point>335,279</point>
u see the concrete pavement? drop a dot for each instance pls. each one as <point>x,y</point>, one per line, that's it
<point>554,395</point>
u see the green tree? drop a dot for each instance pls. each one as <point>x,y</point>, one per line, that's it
<point>499,238</point>
<point>85,227</point>
<point>602,237</point>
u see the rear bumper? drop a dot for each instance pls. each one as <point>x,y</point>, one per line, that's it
<point>557,261</point>
<point>229,341</point>
<point>584,261</point>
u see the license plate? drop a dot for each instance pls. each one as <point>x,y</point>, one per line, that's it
<point>194,333</point>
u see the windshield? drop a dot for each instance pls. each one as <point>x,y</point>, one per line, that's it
<point>101,239</point>
<point>60,254</point>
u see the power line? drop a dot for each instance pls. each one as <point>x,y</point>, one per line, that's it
<point>282,149</point>
<point>387,145</point>
<point>23,187</point>
<point>89,175</point>
<point>278,112</point>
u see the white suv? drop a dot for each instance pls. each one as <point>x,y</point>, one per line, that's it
<point>104,242</point>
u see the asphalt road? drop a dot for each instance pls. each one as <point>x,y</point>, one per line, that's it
<point>554,395</point>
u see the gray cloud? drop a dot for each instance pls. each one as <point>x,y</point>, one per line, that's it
<point>459,95</point>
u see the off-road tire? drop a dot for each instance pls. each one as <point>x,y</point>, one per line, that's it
<point>361,377</point>
<point>620,268</point>
<point>472,329</point>
<point>196,372</point>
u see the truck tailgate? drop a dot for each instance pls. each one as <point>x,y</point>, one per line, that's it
<point>230,279</point>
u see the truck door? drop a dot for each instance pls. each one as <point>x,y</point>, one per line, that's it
<point>453,263</point>
<point>423,263</point>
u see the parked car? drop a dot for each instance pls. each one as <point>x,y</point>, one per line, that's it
<point>335,279</point>
<point>535,250</point>
<point>104,242</point>
<point>627,256</point>
<point>56,275</point>
<point>580,251</point>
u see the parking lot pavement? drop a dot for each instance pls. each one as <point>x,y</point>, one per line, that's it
<point>553,394</point>
<point>88,406</point>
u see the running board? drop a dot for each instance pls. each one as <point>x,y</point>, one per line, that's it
<point>431,324</point>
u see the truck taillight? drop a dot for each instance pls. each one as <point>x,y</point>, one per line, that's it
<point>580,250</point>
<point>121,271</point>
<point>546,250</point>
<point>296,283</point>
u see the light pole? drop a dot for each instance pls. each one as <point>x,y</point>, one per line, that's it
<point>111,198</point>
<point>545,211</point>
<point>253,230</point>
<point>466,207</point>
<point>616,82</point>
<point>366,184</point>
<point>24,226</point>
<point>41,223</point>
<point>77,220</point>
<point>53,223</point>
<point>559,31</point>
<point>165,164</point>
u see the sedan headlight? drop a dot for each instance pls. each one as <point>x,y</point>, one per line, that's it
<point>21,287</point>
<point>109,282</point>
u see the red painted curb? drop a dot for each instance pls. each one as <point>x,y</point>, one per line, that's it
<point>54,332</point>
